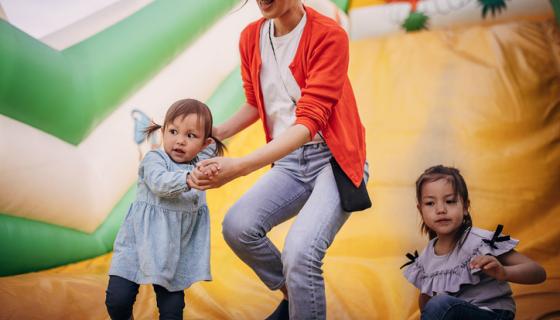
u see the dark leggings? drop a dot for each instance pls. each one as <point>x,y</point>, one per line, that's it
<point>121,294</point>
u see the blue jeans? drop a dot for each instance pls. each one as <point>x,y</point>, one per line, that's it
<point>302,184</point>
<point>445,307</point>
<point>121,294</point>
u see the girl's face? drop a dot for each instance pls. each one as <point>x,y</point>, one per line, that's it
<point>272,9</point>
<point>441,210</point>
<point>183,138</point>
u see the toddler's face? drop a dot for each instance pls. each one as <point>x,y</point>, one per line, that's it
<point>442,211</point>
<point>184,138</point>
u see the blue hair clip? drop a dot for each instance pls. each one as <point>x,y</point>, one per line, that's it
<point>141,123</point>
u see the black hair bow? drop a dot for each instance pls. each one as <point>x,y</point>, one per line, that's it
<point>496,237</point>
<point>411,257</point>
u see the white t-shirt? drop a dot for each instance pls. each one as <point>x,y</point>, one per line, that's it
<point>279,108</point>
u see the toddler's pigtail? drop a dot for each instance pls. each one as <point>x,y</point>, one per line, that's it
<point>151,129</point>
<point>220,146</point>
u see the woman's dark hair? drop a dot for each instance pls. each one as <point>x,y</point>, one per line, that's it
<point>183,108</point>
<point>460,190</point>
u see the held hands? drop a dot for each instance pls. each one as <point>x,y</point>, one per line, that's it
<point>489,265</point>
<point>214,172</point>
<point>197,175</point>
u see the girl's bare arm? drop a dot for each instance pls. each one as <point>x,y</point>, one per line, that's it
<point>512,266</point>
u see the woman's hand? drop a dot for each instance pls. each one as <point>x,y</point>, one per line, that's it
<point>215,172</point>
<point>491,266</point>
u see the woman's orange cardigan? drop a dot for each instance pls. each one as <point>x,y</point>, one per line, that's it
<point>327,101</point>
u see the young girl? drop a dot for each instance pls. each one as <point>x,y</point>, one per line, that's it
<point>164,239</point>
<point>464,271</point>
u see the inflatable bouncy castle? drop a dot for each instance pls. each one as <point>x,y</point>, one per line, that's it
<point>467,83</point>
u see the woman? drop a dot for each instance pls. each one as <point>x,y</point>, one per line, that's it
<point>294,70</point>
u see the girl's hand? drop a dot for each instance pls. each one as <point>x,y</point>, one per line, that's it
<point>209,170</point>
<point>194,177</point>
<point>491,266</point>
<point>201,174</point>
<point>215,172</point>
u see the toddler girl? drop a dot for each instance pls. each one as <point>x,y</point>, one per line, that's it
<point>165,237</point>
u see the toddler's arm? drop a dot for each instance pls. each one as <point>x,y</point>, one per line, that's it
<point>163,183</point>
<point>511,266</point>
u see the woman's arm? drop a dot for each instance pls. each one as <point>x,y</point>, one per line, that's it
<point>291,139</point>
<point>512,266</point>
<point>243,118</point>
<point>231,168</point>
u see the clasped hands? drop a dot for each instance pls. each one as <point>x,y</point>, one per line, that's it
<point>213,173</point>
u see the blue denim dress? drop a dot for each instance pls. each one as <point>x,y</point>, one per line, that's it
<point>165,237</point>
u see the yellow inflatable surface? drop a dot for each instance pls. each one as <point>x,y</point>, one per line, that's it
<point>364,3</point>
<point>483,99</point>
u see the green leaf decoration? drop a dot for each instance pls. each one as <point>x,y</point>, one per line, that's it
<point>495,6</point>
<point>415,21</point>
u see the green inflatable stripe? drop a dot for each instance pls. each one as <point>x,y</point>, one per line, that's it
<point>67,93</point>
<point>227,98</point>
<point>28,245</point>
<point>342,4</point>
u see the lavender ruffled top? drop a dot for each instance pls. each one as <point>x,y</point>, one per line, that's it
<point>450,274</point>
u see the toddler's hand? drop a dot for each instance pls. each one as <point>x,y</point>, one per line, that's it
<point>190,180</point>
<point>210,170</point>
<point>489,265</point>
<point>218,171</point>
<point>197,179</point>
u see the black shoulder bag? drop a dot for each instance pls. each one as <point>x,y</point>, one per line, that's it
<point>351,198</point>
